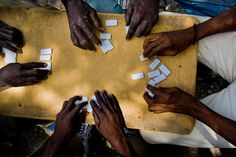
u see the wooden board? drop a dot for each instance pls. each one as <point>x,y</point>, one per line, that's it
<point>77,72</point>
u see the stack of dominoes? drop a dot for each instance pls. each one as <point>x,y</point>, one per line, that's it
<point>106,37</point>
<point>46,56</point>
<point>10,56</point>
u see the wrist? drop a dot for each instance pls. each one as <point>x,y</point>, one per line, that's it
<point>122,146</point>
<point>53,147</point>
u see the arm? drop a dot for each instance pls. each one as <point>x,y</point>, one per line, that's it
<point>221,125</point>
<point>82,20</point>
<point>110,122</point>
<point>178,101</point>
<point>173,42</point>
<point>68,122</point>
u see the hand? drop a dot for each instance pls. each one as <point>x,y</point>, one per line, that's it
<point>82,20</point>
<point>69,120</point>
<point>9,34</point>
<point>141,16</point>
<point>168,43</point>
<point>15,74</point>
<point>170,100</point>
<point>110,122</point>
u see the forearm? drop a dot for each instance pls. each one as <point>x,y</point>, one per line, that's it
<point>221,125</point>
<point>124,148</point>
<point>222,23</point>
<point>53,147</point>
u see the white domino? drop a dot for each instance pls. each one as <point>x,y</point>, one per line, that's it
<point>154,73</point>
<point>95,99</point>
<point>88,107</point>
<point>48,67</point>
<point>154,64</point>
<point>84,99</point>
<point>111,22</point>
<point>77,102</point>
<point>142,58</point>
<point>152,83</point>
<point>137,76</point>
<point>46,51</point>
<point>160,78</point>
<point>126,29</point>
<point>105,36</point>
<point>45,57</point>
<point>10,56</point>
<point>165,70</point>
<point>149,93</point>
<point>106,46</point>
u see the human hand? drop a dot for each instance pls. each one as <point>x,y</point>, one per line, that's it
<point>9,34</point>
<point>69,120</point>
<point>82,20</point>
<point>141,16</point>
<point>15,74</point>
<point>170,100</point>
<point>168,43</point>
<point>110,122</point>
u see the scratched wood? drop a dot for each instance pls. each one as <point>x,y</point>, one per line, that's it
<point>78,72</point>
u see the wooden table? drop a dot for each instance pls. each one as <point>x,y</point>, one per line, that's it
<point>78,72</point>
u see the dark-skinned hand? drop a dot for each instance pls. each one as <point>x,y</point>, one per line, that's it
<point>69,120</point>
<point>9,34</point>
<point>110,122</point>
<point>83,20</point>
<point>170,100</point>
<point>141,16</point>
<point>15,74</point>
<point>168,43</point>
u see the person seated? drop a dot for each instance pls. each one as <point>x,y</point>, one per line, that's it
<point>108,119</point>
<point>216,114</point>
<point>141,16</point>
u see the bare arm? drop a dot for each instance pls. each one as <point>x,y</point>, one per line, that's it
<point>177,101</point>
<point>221,125</point>
<point>173,42</point>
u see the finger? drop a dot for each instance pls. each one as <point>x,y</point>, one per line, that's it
<point>101,102</point>
<point>159,50</point>
<point>7,31</point>
<point>27,83</point>
<point>159,109</point>
<point>107,101</point>
<point>96,108</point>
<point>34,72</point>
<point>136,18</point>
<point>96,20</point>
<point>150,46</point>
<point>141,28</point>
<point>75,41</point>
<point>71,103</point>
<point>33,65</point>
<point>86,27</point>
<point>6,36</point>
<point>169,90</point>
<point>77,109</point>
<point>148,30</point>
<point>129,14</point>
<point>3,24</point>
<point>8,46</point>
<point>64,105</point>
<point>83,39</point>
<point>96,119</point>
<point>118,110</point>
<point>33,78</point>
<point>149,100</point>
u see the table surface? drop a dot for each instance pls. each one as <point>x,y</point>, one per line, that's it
<point>79,72</point>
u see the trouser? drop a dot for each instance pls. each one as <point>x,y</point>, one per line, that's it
<point>218,52</point>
